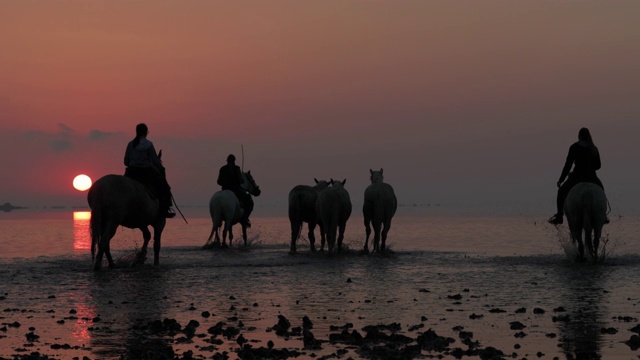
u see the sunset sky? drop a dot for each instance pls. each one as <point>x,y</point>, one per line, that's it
<point>464,103</point>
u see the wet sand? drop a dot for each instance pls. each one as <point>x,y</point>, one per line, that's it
<point>173,312</point>
<point>512,294</point>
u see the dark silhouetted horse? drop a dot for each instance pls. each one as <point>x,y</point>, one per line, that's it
<point>586,211</point>
<point>302,208</point>
<point>119,200</point>
<point>379,206</point>
<point>334,209</point>
<point>224,206</point>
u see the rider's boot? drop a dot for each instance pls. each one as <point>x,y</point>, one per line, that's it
<point>556,219</point>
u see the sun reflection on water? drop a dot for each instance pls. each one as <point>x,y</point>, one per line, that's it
<point>85,315</point>
<point>81,232</point>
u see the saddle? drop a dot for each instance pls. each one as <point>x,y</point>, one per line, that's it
<point>147,183</point>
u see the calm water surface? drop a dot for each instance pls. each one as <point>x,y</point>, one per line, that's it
<point>479,272</point>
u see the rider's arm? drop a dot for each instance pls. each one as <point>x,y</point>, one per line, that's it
<point>596,160</point>
<point>153,155</point>
<point>126,155</point>
<point>239,178</point>
<point>220,180</point>
<point>567,164</point>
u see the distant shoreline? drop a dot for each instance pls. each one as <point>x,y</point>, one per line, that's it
<point>8,207</point>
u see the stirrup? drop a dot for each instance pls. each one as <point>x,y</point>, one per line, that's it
<point>555,219</point>
<point>170,214</point>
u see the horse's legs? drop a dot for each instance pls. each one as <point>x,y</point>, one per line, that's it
<point>575,231</point>
<point>312,237</point>
<point>341,229</point>
<point>111,232</point>
<point>580,244</point>
<point>385,231</point>
<point>213,229</point>
<point>376,236</point>
<point>597,233</point>
<point>156,247</point>
<point>146,236</point>
<point>331,237</point>
<point>244,234</point>
<point>107,253</point>
<point>295,230</point>
<point>103,247</point>
<point>97,262</point>
<point>225,230</point>
<point>367,229</point>
<point>589,242</point>
<point>217,224</point>
<point>157,234</point>
<point>323,237</point>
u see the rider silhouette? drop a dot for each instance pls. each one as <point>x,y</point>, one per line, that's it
<point>585,159</point>
<point>230,178</point>
<point>144,165</point>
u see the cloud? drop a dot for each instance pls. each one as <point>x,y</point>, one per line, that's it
<point>62,140</point>
<point>58,145</point>
<point>97,135</point>
<point>65,130</point>
<point>59,141</point>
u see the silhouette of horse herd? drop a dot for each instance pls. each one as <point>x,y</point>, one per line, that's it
<point>116,200</point>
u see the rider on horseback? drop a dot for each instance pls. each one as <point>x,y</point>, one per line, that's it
<point>230,178</point>
<point>584,154</point>
<point>144,165</point>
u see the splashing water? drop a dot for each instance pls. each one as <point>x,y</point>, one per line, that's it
<point>569,247</point>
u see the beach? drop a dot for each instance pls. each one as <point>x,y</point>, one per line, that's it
<point>524,299</point>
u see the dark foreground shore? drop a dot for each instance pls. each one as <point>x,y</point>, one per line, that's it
<point>261,303</point>
<point>54,330</point>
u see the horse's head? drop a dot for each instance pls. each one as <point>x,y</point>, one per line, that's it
<point>338,183</point>
<point>321,184</point>
<point>376,176</point>
<point>250,185</point>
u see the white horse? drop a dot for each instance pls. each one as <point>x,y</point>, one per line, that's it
<point>379,206</point>
<point>334,209</point>
<point>302,208</point>
<point>119,200</point>
<point>586,211</point>
<point>224,206</point>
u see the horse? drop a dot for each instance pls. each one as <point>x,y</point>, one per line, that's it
<point>302,208</point>
<point>334,208</point>
<point>586,210</point>
<point>379,206</point>
<point>119,200</point>
<point>224,206</point>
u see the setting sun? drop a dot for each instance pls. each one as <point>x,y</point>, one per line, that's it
<point>82,182</point>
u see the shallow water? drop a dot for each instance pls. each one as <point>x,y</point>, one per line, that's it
<point>478,272</point>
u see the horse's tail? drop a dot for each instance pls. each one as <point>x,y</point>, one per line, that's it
<point>95,229</point>
<point>587,223</point>
<point>295,212</point>
<point>213,230</point>
<point>215,211</point>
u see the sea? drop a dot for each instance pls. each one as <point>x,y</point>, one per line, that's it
<point>508,282</point>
